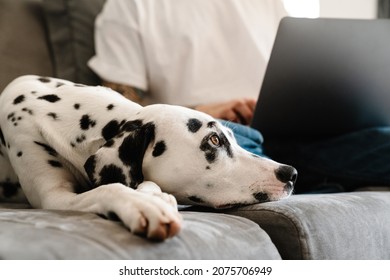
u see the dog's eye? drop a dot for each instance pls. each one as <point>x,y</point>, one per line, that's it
<point>214,139</point>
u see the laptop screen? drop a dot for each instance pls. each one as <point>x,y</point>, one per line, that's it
<point>326,77</point>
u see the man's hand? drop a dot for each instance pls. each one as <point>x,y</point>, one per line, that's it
<point>237,110</point>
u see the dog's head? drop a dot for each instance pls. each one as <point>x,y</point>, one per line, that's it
<point>191,156</point>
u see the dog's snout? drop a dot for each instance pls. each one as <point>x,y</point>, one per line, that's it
<point>286,174</point>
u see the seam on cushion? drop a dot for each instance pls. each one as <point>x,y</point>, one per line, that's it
<point>294,223</point>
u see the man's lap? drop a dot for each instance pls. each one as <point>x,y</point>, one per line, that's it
<point>341,163</point>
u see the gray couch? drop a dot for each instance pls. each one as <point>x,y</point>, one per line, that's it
<point>55,38</point>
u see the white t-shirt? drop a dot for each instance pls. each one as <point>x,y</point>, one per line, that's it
<point>187,52</point>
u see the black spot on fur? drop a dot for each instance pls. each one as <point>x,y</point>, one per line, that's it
<point>72,144</point>
<point>110,107</point>
<point>194,125</point>
<point>86,122</point>
<point>53,115</point>
<point>128,150</point>
<point>111,174</point>
<point>89,167</point>
<point>28,111</point>
<point>226,144</point>
<point>132,125</point>
<point>110,129</point>
<point>120,135</point>
<point>261,197</point>
<point>16,124</point>
<point>159,149</point>
<point>19,99</point>
<point>208,167</point>
<point>76,106</point>
<point>211,157</point>
<point>211,124</point>
<point>33,92</point>
<point>55,163</point>
<point>47,148</point>
<point>11,115</point>
<point>2,137</point>
<point>132,150</point>
<point>20,118</point>
<point>196,199</point>
<point>109,143</point>
<point>9,189</point>
<point>52,98</point>
<point>81,138</point>
<point>19,154</point>
<point>135,144</point>
<point>44,79</point>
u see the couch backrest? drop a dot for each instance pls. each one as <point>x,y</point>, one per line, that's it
<point>71,25</point>
<point>23,40</point>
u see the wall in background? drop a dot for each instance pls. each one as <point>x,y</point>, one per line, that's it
<point>366,9</point>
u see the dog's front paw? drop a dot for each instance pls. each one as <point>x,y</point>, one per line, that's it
<point>155,218</point>
<point>146,214</point>
<point>149,187</point>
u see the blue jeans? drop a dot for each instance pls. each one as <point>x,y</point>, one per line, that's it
<point>336,164</point>
<point>248,138</point>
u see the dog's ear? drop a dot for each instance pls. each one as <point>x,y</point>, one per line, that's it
<point>120,159</point>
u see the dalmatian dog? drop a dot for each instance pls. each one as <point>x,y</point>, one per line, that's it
<point>67,146</point>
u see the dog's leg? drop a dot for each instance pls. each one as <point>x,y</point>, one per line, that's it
<point>142,213</point>
<point>48,184</point>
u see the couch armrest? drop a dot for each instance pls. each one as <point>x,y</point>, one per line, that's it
<point>326,226</point>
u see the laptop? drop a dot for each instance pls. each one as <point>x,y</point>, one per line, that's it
<point>325,77</point>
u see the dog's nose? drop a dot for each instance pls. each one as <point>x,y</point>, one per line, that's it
<point>286,174</point>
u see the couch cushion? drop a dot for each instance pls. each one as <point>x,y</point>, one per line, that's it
<point>43,234</point>
<point>326,226</point>
<point>23,44</point>
<point>71,33</point>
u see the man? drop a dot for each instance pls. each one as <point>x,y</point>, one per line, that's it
<point>210,55</point>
